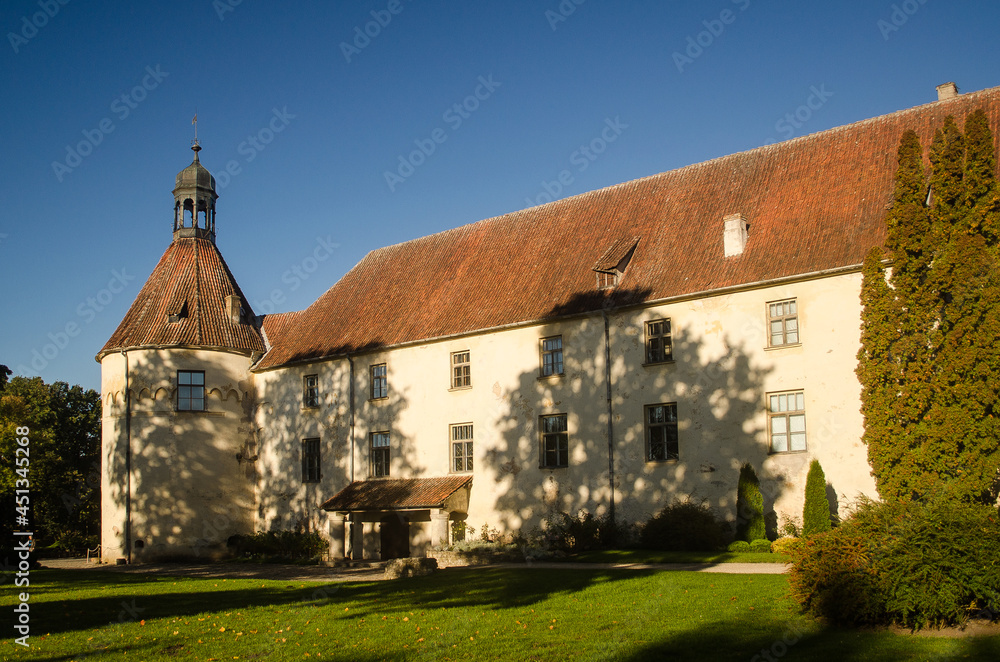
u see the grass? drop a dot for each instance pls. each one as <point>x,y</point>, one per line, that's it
<point>455,614</point>
<point>653,556</point>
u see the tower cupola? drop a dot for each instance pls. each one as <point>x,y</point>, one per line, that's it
<point>194,200</point>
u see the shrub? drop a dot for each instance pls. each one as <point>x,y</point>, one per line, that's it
<point>749,506</point>
<point>941,562</point>
<point>761,545</point>
<point>738,546</point>
<point>832,577</point>
<point>816,513</point>
<point>783,545</point>
<point>790,527</point>
<point>684,526</point>
<point>279,545</point>
<point>581,533</point>
<point>916,564</point>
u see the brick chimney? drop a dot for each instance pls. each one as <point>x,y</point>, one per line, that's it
<point>734,234</point>
<point>947,91</point>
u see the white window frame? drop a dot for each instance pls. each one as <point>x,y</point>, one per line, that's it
<point>461,370</point>
<point>310,391</point>
<point>662,416</point>
<point>554,437</point>
<point>786,422</point>
<point>548,350</point>
<point>187,388</point>
<point>379,445</point>
<point>663,340</point>
<point>461,438</point>
<point>783,326</point>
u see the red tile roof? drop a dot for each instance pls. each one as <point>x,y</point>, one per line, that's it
<point>396,494</point>
<point>277,326</point>
<point>814,203</point>
<point>190,274</point>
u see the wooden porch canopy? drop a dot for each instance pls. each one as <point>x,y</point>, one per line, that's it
<point>450,492</point>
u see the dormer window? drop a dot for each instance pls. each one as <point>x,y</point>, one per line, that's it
<point>607,280</point>
<point>611,266</point>
<point>234,306</point>
<point>177,314</point>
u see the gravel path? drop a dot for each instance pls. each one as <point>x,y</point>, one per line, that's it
<point>314,573</point>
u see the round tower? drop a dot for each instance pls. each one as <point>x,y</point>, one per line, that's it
<point>179,441</point>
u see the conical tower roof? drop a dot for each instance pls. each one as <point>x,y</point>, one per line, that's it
<point>191,299</point>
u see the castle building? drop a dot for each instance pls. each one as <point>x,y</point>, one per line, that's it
<point>609,353</point>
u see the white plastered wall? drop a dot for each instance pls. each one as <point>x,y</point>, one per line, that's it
<point>193,478</point>
<point>720,378</point>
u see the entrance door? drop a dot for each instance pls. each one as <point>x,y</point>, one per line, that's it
<point>394,537</point>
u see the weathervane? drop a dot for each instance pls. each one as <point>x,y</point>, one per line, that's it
<point>194,143</point>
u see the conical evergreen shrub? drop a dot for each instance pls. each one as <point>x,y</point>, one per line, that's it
<point>816,514</point>
<point>749,506</point>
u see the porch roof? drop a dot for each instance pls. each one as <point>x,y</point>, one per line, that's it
<point>396,494</point>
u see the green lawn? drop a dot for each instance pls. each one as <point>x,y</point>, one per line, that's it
<point>652,556</point>
<point>455,614</point>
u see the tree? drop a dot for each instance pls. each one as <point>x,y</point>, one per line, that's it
<point>929,364</point>
<point>64,426</point>
<point>816,512</point>
<point>749,506</point>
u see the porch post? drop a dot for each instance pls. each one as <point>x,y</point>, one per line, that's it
<point>439,526</point>
<point>357,537</point>
<point>337,537</point>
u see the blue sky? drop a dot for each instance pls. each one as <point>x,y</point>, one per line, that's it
<point>473,109</point>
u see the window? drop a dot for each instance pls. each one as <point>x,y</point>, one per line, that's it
<point>607,280</point>
<point>555,441</point>
<point>783,321</point>
<point>786,413</point>
<point>190,390</point>
<point>659,346</point>
<point>661,432</point>
<point>552,356</point>
<point>310,461</point>
<point>461,370</point>
<point>380,382</point>
<point>461,447</point>
<point>310,391</point>
<point>380,454</point>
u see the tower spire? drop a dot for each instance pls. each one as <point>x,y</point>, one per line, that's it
<point>194,197</point>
